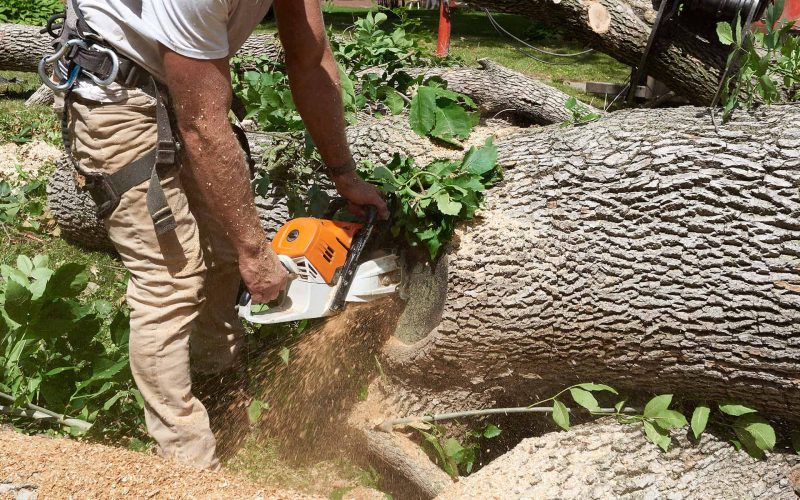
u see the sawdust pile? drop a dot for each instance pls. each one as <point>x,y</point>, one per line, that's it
<point>29,157</point>
<point>36,466</point>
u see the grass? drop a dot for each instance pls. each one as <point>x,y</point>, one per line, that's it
<point>473,38</point>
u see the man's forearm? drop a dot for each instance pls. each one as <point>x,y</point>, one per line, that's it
<point>317,93</point>
<point>218,165</point>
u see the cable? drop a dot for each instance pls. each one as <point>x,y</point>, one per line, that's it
<point>496,25</point>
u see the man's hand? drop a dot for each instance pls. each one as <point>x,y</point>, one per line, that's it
<point>359,193</point>
<point>263,274</point>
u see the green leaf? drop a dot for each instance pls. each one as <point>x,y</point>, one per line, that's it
<point>255,410</point>
<point>25,264</point>
<point>658,436</point>
<point>116,397</point>
<point>756,426</point>
<point>284,355</point>
<point>735,410</point>
<point>120,329</point>
<point>590,386</point>
<point>491,431</point>
<point>453,449</point>
<point>724,33</point>
<point>451,122</point>
<point>422,116</point>
<point>446,205</point>
<point>394,102</point>
<point>481,160</point>
<point>584,398</point>
<point>670,419</point>
<point>657,405</point>
<point>18,301</point>
<point>68,281</point>
<point>560,414</point>
<point>700,419</point>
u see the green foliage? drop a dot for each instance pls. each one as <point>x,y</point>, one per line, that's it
<point>23,206</point>
<point>429,200</point>
<point>580,113</point>
<point>64,353</point>
<point>442,114</point>
<point>453,456</point>
<point>770,63</point>
<point>370,45</point>
<point>28,11</point>
<point>700,419</point>
<point>749,430</point>
<point>264,91</point>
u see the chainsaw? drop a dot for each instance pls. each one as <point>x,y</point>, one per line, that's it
<point>330,263</point>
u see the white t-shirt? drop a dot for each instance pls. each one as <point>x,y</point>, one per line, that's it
<point>200,29</point>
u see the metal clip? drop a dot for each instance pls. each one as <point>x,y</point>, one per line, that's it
<point>70,80</point>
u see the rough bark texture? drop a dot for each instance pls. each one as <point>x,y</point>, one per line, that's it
<point>643,250</point>
<point>501,92</point>
<point>22,46</point>
<point>688,64</point>
<point>74,210</point>
<point>605,459</point>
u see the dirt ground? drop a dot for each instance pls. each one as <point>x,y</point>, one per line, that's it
<point>42,467</point>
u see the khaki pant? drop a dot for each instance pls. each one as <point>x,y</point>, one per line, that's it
<point>183,284</point>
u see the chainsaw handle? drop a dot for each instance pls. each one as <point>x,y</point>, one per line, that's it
<point>291,268</point>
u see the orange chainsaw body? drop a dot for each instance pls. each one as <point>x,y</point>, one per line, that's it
<point>324,243</point>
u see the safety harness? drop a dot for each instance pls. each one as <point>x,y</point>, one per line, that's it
<point>80,50</point>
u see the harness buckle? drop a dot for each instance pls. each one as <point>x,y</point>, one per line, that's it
<point>166,153</point>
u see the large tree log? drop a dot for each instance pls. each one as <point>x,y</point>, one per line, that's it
<point>688,64</point>
<point>607,460</point>
<point>643,250</point>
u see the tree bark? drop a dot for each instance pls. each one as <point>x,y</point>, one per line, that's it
<point>643,250</point>
<point>503,93</point>
<point>688,64</point>
<point>605,459</point>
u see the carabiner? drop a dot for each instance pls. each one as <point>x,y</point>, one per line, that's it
<point>70,81</point>
<point>114,67</point>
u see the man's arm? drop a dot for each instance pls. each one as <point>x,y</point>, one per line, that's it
<point>201,97</point>
<point>317,93</point>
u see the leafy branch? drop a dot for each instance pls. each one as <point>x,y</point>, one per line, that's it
<point>770,62</point>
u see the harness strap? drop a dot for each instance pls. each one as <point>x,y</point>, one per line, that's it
<point>107,189</point>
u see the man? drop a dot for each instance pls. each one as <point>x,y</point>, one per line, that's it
<point>184,281</point>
